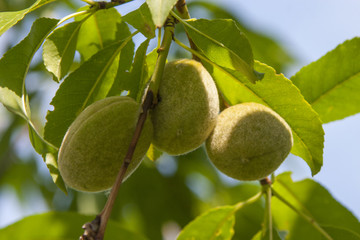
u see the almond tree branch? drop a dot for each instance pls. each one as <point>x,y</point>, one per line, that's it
<point>95,230</point>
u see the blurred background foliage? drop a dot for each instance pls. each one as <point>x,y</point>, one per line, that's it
<point>160,198</point>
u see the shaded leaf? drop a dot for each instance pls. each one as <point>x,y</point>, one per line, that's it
<point>9,19</point>
<point>141,20</point>
<point>332,83</point>
<point>51,163</point>
<point>275,235</point>
<point>215,224</point>
<point>160,10</point>
<point>278,93</point>
<point>153,153</point>
<point>340,234</point>
<point>59,49</point>
<point>126,57</point>
<point>151,60</point>
<point>224,44</point>
<point>99,31</point>
<point>88,83</point>
<point>60,225</point>
<point>13,69</point>
<point>14,66</point>
<point>138,76</point>
<point>312,199</point>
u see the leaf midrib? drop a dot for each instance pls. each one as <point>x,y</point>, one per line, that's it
<point>330,90</point>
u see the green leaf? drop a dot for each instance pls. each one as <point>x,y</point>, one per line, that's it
<point>99,31</point>
<point>278,93</point>
<point>332,83</point>
<point>126,57</point>
<point>222,42</point>
<point>314,200</point>
<point>51,162</point>
<point>141,20</point>
<point>215,224</point>
<point>59,49</point>
<point>61,226</point>
<point>160,10</point>
<point>14,66</point>
<point>9,19</point>
<point>13,69</point>
<point>153,153</point>
<point>138,76</point>
<point>265,48</point>
<point>340,234</point>
<point>88,83</point>
<point>275,236</point>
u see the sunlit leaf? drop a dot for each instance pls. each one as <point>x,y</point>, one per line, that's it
<point>265,48</point>
<point>99,31</point>
<point>13,69</point>
<point>332,83</point>
<point>14,66</point>
<point>9,19</point>
<point>59,49</point>
<point>88,83</point>
<point>61,226</point>
<point>312,199</point>
<point>223,43</point>
<point>278,92</point>
<point>141,20</point>
<point>215,224</point>
<point>138,76</point>
<point>160,10</point>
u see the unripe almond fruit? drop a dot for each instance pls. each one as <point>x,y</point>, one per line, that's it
<point>188,107</point>
<point>95,145</point>
<point>249,141</point>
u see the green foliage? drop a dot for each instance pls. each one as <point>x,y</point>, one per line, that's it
<point>90,82</point>
<point>15,64</point>
<point>264,48</point>
<point>138,77</point>
<point>331,84</point>
<point>215,224</point>
<point>61,226</point>
<point>9,19</point>
<point>141,20</point>
<point>170,190</point>
<point>160,10</point>
<point>223,43</point>
<point>99,31</point>
<point>59,49</point>
<point>312,199</point>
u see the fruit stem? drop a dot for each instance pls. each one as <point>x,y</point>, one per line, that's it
<point>184,14</point>
<point>307,218</point>
<point>163,51</point>
<point>267,228</point>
